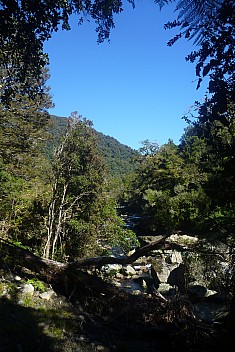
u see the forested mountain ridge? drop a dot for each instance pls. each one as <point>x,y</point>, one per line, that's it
<point>120,159</point>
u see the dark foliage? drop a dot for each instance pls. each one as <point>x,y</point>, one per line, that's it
<point>26,25</point>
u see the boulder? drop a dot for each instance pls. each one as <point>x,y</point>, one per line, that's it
<point>176,257</point>
<point>129,270</point>
<point>177,278</point>
<point>166,289</point>
<point>131,252</point>
<point>161,268</point>
<point>27,289</point>
<point>196,290</point>
<point>117,283</point>
<point>119,276</point>
<point>111,268</point>
<point>47,295</point>
<point>183,240</point>
<point>211,293</point>
<point>136,292</point>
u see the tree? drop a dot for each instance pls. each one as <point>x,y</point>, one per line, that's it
<point>193,16</point>
<point>215,56</point>
<point>77,178</point>
<point>24,169</point>
<point>215,146</point>
<point>213,122</point>
<point>149,148</point>
<point>167,192</point>
<point>81,215</point>
<point>26,25</point>
<point>23,133</point>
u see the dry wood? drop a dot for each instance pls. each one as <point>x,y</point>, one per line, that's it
<point>43,265</point>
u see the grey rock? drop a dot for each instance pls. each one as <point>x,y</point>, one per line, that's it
<point>47,295</point>
<point>81,318</point>
<point>28,289</point>
<point>129,270</point>
<point>144,284</point>
<point>117,284</point>
<point>136,292</point>
<point>149,239</point>
<point>165,289</point>
<point>119,276</point>
<point>164,273</point>
<point>183,240</point>
<point>210,293</point>
<point>176,257</point>
<point>111,268</point>
<point>161,268</point>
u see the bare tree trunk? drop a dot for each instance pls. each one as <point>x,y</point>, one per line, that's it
<point>52,208</point>
<point>60,221</point>
<point>50,225</point>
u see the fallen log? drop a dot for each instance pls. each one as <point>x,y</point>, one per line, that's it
<point>121,311</point>
<point>104,260</point>
<point>47,266</point>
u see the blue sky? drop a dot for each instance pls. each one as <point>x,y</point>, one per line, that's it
<point>133,88</point>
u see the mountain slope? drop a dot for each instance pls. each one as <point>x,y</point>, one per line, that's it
<point>120,159</point>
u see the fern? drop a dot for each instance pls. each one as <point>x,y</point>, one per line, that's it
<point>162,3</point>
<point>194,14</point>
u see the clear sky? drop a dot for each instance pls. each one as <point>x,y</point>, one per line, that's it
<point>133,88</point>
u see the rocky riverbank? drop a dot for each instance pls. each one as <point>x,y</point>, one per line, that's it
<point>148,306</point>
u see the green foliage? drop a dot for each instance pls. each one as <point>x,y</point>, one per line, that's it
<point>111,229</point>
<point>23,124</point>
<point>78,175</point>
<point>26,25</point>
<point>149,148</point>
<point>213,23</point>
<point>22,207</point>
<point>82,214</point>
<point>24,171</point>
<point>37,284</point>
<point>167,192</point>
<point>119,158</point>
<point>215,142</point>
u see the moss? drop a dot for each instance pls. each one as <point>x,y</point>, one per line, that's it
<point>1,288</point>
<point>27,301</point>
<point>34,325</point>
<point>37,284</point>
<point>157,264</point>
<point>8,289</point>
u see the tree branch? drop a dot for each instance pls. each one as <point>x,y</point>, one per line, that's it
<point>47,266</point>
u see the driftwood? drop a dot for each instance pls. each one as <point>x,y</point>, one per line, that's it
<point>47,267</point>
<point>104,260</point>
